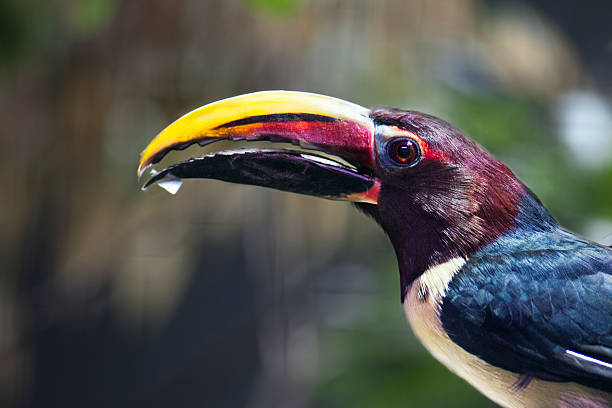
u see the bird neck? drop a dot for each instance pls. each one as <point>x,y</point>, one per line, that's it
<point>423,236</point>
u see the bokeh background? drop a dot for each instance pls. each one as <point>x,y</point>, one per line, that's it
<point>233,296</point>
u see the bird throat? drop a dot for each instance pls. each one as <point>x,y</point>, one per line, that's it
<point>442,229</point>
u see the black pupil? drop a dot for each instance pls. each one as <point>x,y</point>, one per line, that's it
<point>405,151</point>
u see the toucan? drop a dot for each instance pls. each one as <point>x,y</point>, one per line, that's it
<point>491,284</point>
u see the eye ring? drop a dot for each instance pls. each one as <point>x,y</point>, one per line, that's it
<point>404,152</point>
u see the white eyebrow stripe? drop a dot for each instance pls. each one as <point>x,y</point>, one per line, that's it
<point>391,131</point>
<point>589,359</point>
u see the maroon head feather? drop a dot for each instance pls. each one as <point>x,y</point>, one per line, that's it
<point>458,199</point>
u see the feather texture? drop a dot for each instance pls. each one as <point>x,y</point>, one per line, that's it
<point>537,292</point>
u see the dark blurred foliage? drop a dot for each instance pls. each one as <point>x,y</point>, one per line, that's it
<point>231,296</point>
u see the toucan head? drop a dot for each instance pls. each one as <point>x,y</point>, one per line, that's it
<point>436,193</point>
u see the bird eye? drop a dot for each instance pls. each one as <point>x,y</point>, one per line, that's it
<point>405,152</point>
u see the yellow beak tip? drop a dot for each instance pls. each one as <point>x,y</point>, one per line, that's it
<point>141,169</point>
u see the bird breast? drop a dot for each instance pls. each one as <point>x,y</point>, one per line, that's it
<point>422,310</point>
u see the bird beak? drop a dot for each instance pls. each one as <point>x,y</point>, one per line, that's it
<point>335,158</point>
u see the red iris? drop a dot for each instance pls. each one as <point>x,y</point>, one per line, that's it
<point>405,151</point>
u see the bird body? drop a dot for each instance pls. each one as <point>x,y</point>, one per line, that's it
<point>481,331</point>
<point>496,383</point>
<point>492,286</point>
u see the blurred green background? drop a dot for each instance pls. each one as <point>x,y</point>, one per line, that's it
<point>233,296</point>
